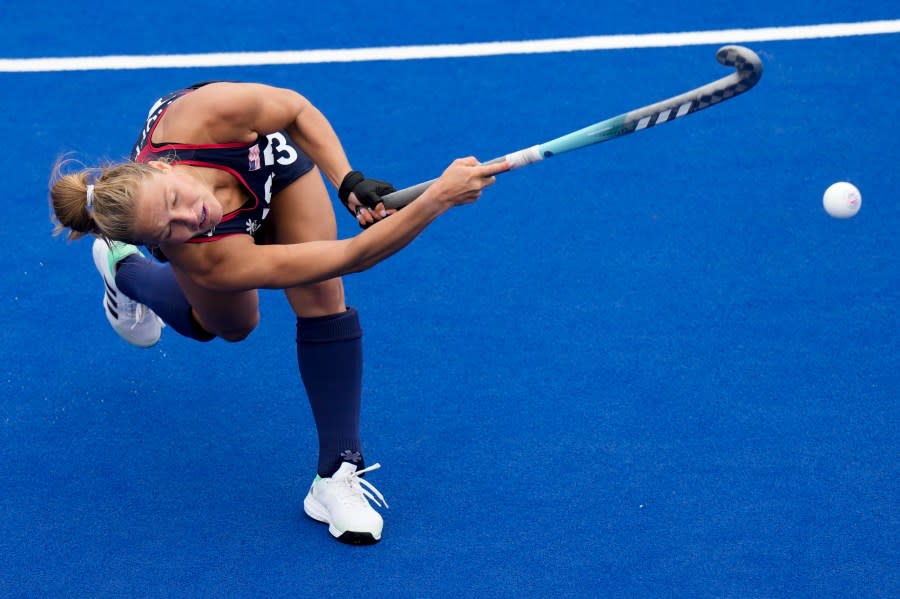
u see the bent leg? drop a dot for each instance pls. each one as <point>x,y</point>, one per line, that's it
<point>229,315</point>
<point>189,309</point>
<point>153,284</point>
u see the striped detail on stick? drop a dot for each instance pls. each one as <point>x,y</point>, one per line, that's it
<point>662,117</point>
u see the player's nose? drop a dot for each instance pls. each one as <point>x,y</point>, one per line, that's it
<point>189,216</point>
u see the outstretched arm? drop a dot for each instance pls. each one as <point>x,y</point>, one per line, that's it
<point>236,264</point>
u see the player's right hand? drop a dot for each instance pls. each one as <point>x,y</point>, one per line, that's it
<point>463,181</point>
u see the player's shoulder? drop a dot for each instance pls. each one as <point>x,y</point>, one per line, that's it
<point>222,106</point>
<point>203,97</point>
<point>198,114</point>
<point>224,95</point>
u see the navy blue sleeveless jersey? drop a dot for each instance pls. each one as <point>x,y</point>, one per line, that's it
<point>263,167</point>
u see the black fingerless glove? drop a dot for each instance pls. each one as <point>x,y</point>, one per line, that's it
<point>367,191</point>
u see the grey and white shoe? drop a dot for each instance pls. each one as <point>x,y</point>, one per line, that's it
<point>135,323</point>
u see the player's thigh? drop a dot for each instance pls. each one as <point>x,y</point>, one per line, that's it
<point>301,212</point>
<point>229,315</point>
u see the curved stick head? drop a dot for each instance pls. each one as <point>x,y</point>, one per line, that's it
<point>749,66</point>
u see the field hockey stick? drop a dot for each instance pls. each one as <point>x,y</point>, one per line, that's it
<point>748,71</point>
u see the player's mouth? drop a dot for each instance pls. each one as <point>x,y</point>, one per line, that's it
<point>204,215</point>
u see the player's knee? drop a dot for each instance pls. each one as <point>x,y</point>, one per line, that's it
<point>329,294</point>
<point>239,331</point>
<point>322,298</point>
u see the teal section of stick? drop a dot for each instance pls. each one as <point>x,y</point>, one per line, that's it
<point>592,134</point>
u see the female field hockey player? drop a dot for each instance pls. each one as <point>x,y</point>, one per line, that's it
<point>224,184</point>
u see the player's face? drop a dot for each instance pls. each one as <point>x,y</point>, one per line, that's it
<point>172,206</point>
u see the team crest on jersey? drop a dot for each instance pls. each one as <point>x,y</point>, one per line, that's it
<point>253,158</point>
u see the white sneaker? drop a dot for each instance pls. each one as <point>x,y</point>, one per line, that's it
<point>340,502</point>
<point>135,323</point>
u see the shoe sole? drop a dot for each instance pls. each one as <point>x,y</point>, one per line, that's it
<point>317,512</point>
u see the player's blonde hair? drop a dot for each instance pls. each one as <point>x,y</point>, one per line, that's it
<point>111,214</point>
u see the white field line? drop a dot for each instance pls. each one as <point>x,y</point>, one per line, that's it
<point>545,46</point>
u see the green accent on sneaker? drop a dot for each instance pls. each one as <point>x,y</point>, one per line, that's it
<point>118,251</point>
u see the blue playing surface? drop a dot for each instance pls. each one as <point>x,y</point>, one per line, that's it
<point>652,368</point>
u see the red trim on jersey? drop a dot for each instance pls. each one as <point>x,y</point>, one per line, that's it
<point>152,148</point>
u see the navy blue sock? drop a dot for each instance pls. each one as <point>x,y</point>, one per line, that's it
<point>154,285</point>
<point>329,353</point>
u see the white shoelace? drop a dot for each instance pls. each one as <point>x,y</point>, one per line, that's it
<point>135,312</point>
<point>358,484</point>
<point>132,310</point>
<point>138,314</point>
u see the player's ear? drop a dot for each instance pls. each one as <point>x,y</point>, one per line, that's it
<point>160,165</point>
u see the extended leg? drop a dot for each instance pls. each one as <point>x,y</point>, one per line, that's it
<point>330,357</point>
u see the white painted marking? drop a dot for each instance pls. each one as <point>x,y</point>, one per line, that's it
<point>642,123</point>
<point>663,116</point>
<point>546,46</point>
<point>683,109</point>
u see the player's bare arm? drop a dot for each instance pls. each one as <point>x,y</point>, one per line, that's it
<point>237,264</point>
